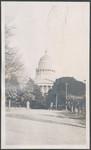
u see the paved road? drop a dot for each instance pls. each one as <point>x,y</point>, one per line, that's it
<point>42,127</point>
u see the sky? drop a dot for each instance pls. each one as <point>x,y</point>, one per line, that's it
<point>60,27</point>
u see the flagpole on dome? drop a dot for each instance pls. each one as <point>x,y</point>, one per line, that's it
<point>46,51</point>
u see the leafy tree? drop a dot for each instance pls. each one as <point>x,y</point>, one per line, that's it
<point>11,89</point>
<point>33,94</point>
<point>59,89</point>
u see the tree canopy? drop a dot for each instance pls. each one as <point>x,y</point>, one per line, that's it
<point>59,88</point>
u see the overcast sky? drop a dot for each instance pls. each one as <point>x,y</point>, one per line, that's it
<point>61,27</point>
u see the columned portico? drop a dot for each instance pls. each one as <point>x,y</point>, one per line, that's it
<point>45,88</point>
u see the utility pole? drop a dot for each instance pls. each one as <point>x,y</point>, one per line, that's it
<point>66,90</point>
<point>66,94</point>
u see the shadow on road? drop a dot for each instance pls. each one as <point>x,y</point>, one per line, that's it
<point>42,120</point>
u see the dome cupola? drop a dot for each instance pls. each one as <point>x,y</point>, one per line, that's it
<point>45,62</point>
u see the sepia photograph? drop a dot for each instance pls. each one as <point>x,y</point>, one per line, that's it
<point>45,75</point>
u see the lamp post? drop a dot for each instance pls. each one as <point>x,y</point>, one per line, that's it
<point>56,100</point>
<point>9,99</point>
<point>9,103</point>
<point>66,94</point>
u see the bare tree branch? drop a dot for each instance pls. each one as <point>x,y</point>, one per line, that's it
<point>65,21</point>
<point>13,64</point>
<point>51,12</point>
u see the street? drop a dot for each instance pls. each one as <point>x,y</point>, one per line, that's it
<point>43,127</point>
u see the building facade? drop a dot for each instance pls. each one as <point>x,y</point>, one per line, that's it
<point>45,73</point>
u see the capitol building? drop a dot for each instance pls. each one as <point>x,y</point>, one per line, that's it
<point>45,73</point>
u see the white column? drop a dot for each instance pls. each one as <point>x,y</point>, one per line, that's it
<point>42,89</point>
<point>46,89</point>
<point>9,103</point>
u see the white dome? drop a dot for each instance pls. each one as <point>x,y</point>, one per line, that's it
<point>45,73</point>
<point>45,62</point>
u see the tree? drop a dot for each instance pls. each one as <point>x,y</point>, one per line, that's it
<point>33,94</point>
<point>13,65</point>
<point>75,88</point>
<point>11,88</point>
